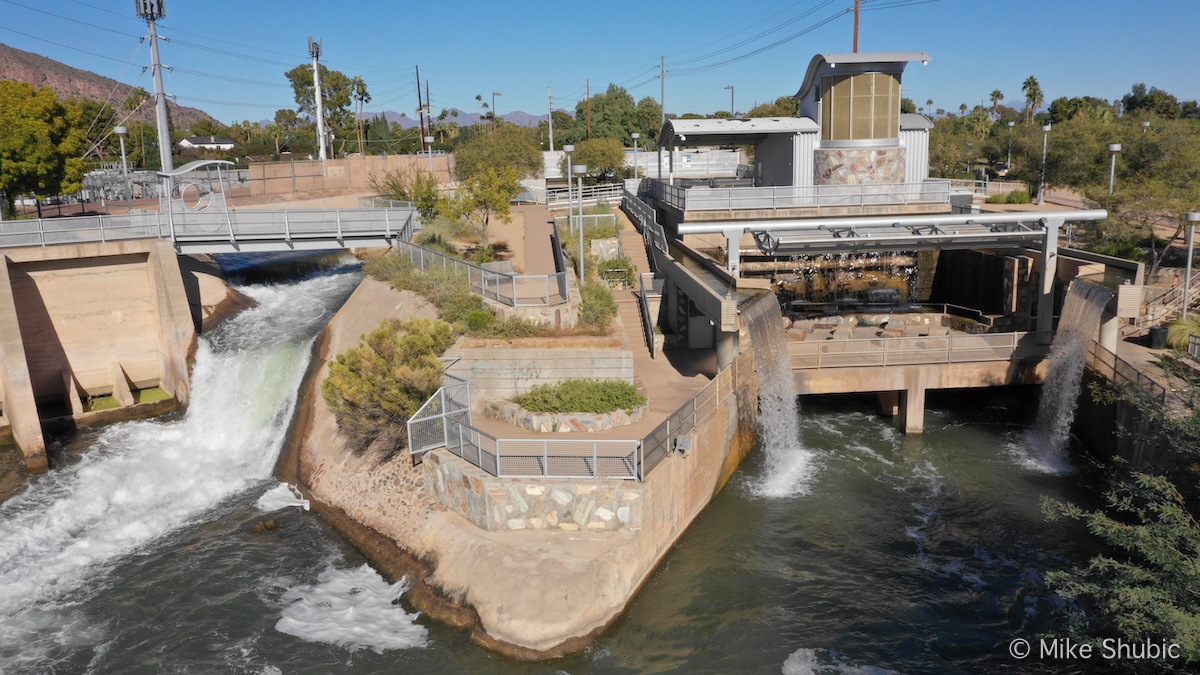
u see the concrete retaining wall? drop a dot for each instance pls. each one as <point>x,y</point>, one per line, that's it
<point>497,504</point>
<point>502,372</point>
<point>16,392</point>
<point>514,414</point>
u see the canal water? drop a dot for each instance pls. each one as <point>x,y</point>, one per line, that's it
<point>894,554</point>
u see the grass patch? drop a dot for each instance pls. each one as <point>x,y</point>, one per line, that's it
<point>585,396</point>
<point>98,403</point>
<point>151,395</point>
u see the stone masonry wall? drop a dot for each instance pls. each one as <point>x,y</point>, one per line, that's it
<point>499,504</point>
<point>858,166</point>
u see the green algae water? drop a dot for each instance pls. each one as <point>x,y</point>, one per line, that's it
<point>895,554</point>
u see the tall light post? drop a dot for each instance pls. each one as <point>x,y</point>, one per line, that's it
<point>1114,149</point>
<point>970,149</point>
<point>580,170</point>
<point>731,110</point>
<point>569,148</point>
<point>494,95</point>
<point>1045,146</point>
<point>121,133</point>
<point>429,152</point>
<point>1145,126</point>
<point>1193,217</point>
<point>635,135</point>
<point>1008,166</point>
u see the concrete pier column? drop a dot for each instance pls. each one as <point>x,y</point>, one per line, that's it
<point>1110,331</point>
<point>889,402</point>
<point>733,250</point>
<point>912,410</point>
<point>727,348</point>
<point>1049,264</point>
<point>20,408</point>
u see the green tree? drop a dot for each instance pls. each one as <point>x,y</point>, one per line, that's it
<point>1144,586</point>
<point>40,142</point>
<point>1154,101</point>
<point>337,93</point>
<point>649,120</point>
<point>360,95</point>
<point>1034,96</point>
<point>506,147</point>
<point>207,127</point>
<point>604,157</point>
<point>784,106</point>
<point>907,105</point>
<point>483,195</point>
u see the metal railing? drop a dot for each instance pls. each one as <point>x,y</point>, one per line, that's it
<point>194,229</point>
<point>1121,373</point>
<point>427,428</point>
<point>1163,308</point>
<point>514,290</point>
<point>589,219</point>
<point>1193,346</point>
<point>647,319</point>
<point>660,442</point>
<point>986,188</point>
<point>784,197</point>
<point>610,192</point>
<point>905,351</point>
<point>382,203</point>
<point>645,219</point>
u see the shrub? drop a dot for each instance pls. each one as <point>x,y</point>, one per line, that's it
<point>586,396</point>
<point>1180,329</point>
<point>409,185</point>
<point>375,388</point>
<point>484,254</point>
<point>436,241</point>
<point>597,307</point>
<point>998,199</point>
<point>1019,197</point>
<point>515,327</point>
<point>1120,248</point>
<point>619,269</point>
<point>479,320</point>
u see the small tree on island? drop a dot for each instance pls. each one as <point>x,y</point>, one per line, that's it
<point>604,157</point>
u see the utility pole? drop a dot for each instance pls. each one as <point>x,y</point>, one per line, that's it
<point>420,109</point>
<point>588,84</point>
<point>857,12</point>
<point>550,115</point>
<point>314,49</point>
<point>429,113</point>
<point>152,11</point>
<point>662,104</point>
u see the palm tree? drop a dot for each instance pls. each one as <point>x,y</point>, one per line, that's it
<point>929,105</point>
<point>962,109</point>
<point>1033,97</point>
<point>360,95</point>
<point>997,97</point>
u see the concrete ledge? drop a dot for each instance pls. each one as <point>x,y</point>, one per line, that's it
<point>516,415</point>
<point>16,387</point>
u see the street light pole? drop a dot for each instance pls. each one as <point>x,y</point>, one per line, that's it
<point>494,95</point>
<point>731,109</point>
<point>1114,149</point>
<point>635,136</point>
<point>580,170</point>
<point>1045,146</point>
<point>429,152</point>
<point>121,132</point>
<point>569,148</point>
<point>1145,126</point>
<point>1193,217</point>
<point>1008,166</point>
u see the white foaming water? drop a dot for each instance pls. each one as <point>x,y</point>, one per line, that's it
<point>790,466</point>
<point>281,496</point>
<point>142,480</point>
<point>353,609</point>
<point>1077,327</point>
<point>807,661</point>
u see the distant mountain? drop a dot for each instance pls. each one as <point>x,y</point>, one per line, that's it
<point>464,119</point>
<point>69,82</point>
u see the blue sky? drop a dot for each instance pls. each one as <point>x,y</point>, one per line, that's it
<point>1074,47</point>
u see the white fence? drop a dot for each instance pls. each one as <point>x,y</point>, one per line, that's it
<point>592,194</point>
<point>784,197</point>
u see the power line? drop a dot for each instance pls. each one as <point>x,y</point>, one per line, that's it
<point>67,18</point>
<point>704,68</point>
<point>758,36</point>
<point>227,78</point>
<point>66,46</point>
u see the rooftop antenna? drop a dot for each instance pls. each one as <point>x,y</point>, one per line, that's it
<point>314,50</point>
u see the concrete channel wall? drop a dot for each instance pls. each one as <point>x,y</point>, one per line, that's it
<point>89,320</point>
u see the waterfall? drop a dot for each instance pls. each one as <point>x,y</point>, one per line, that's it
<point>1077,328</point>
<point>142,480</point>
<point>789,464</point>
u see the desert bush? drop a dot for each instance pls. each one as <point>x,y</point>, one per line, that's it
<point>586,396</point>
<point>375,388</point>
<point>1180,329</point>
<point>619,269</point>
<point>1019,197</point>
<point>597,307</point>
<point>410,185</point>
<point>998,199</point>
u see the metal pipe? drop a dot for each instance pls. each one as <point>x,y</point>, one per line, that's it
<point>1045,146</point>
<point>1192,217</point>
<point>946,219</point>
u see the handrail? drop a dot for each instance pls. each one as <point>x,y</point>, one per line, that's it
<point>933,191</point>
<point>591,193</point>
<point>984,188</point>
<point>906,351</point>
<point>384,203</point>
<point>647,320</point>
<point>1193,346</point>
<point>514,290</point>
<point>1120,372</point>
